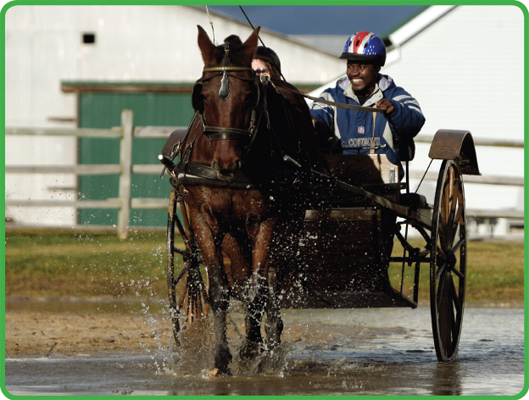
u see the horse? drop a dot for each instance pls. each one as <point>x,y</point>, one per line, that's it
<point>247,149</point>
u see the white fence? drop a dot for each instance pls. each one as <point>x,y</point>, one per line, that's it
<point>124,203</point>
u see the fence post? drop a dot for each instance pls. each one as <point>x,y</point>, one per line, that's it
<point>125,177</point>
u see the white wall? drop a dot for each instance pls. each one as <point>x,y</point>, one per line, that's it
<point>467,72</point>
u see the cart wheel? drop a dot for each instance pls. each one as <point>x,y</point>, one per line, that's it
<point>186,289</point>
<point>448,261</point>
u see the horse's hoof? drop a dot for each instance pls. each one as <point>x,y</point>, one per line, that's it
<point>217,373</point>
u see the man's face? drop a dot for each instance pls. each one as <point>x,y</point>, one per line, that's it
<point>362,77</point>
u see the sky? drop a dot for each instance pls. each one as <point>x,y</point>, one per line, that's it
<point>324,20</point>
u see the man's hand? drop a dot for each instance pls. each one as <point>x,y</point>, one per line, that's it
<point>386,104</point>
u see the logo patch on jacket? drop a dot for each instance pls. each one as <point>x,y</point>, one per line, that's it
<point>361,130</point>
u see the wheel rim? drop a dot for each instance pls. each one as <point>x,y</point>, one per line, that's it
<point>173,309</point>
<point>448,262</point>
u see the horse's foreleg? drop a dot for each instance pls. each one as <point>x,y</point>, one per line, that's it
<point>219,294</point>
<point>219,299</point>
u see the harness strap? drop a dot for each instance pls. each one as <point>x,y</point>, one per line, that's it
<point>193,173</point>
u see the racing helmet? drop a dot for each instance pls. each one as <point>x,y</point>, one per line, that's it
<point>267,54</point>
<point>365,47</point>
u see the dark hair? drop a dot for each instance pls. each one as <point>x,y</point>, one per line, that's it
<point>270,56</point>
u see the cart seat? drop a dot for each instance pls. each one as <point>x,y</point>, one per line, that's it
<point>363,169</point>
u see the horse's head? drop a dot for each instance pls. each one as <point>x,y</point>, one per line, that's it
<point>226,98</point>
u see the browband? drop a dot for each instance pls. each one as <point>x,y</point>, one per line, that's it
<point>217,69</point>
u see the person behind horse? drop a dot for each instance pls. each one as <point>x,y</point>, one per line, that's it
<point>360,132</point>
<point>266,61</point>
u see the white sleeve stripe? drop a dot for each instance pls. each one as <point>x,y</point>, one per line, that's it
<point>414,102</point>
<point>401,97</point>
<point>415,109</point>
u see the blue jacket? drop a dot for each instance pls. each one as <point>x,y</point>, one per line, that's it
<point>354,129</point>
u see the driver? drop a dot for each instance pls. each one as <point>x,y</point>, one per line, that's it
<point>359,132</point>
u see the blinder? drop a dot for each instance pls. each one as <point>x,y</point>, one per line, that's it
<point>197,100</point>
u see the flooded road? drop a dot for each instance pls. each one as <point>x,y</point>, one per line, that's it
<point>325,352</point>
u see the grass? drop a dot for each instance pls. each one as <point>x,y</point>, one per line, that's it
<point>495,273</point>
<point>95,263</point>
<point>84,263</point>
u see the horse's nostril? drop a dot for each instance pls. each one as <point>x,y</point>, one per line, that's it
<point>234,166</point>
<point>215,165</point>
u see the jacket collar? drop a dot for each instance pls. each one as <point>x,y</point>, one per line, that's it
<point>383,83</point>
<point>375,96</point>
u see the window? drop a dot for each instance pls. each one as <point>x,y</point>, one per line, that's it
<point>89,38</point>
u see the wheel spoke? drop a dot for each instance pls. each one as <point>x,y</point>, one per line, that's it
<point>440,271</point>
<point>441,291</point>
<point>458,245</point>
<point>459,274</point>
<point>445,311</point>
<point>183,294</point>
<point>453,318</point>
<point>455,298</point>
<point>441,254</point>
<point>180,274</point>
<point>460,209</point>
<point>443,219</point>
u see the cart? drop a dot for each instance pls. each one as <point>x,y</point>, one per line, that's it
<point>346,242</point>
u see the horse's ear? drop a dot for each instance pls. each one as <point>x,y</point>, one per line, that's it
<point>252,41</point>
<point>207,48</point>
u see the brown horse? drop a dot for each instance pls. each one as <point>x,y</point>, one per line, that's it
<point>242,196</point>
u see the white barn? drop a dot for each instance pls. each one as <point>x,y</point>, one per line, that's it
<point>47,45</point>
<point>451,58</point>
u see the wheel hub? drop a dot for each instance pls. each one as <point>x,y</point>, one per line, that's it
<point>451,261</point>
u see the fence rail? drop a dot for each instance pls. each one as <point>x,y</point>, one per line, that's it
<point>124,203</point>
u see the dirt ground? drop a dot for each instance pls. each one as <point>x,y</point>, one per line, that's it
<point>31,333</point>
<point>44,334</point>
<point>60,334</point>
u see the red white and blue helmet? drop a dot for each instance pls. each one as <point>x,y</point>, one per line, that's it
<point>365,47</point>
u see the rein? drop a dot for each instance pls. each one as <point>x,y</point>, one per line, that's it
<point>340,105</point>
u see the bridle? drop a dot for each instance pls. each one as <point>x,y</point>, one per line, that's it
<point>195,173</point>
<point>227,71</point>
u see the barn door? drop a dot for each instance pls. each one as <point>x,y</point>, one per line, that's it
<point>103,110</point>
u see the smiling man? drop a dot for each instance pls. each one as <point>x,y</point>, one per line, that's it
<point>359,132</point>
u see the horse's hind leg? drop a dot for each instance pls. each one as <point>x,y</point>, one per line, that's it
<point>257,288</point>
<point>255,306</point>
<point>274,323</point>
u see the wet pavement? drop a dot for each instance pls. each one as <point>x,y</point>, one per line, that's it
<point>342,352</point>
